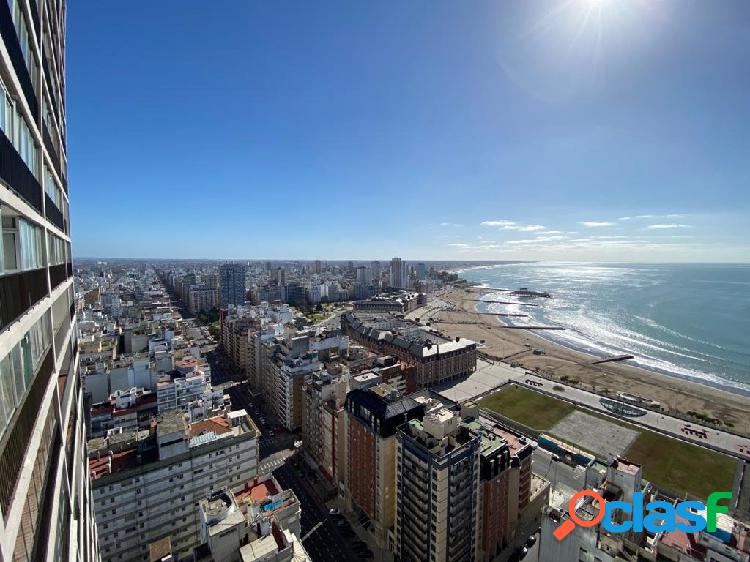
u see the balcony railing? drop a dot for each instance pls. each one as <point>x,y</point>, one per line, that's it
<point>57,274</point>
<point>8,33</point>
<point>54,215</point>
<point>16,439</point>
<point>15,173</point>
<point>19,292</point>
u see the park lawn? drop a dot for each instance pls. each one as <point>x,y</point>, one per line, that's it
<point>530,408</point>
<point>681,467</point>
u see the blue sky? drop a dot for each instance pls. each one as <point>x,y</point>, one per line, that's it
<point>577,129</point>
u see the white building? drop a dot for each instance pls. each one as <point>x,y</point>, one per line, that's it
<point>146,484</point>
<point>45,500</point>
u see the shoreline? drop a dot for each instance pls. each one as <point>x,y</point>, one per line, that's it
<point>675,393</point>
<point>594,355</point>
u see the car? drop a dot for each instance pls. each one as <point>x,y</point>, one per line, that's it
<point>530,541</point>
<point>523,552</point>
<point>334,511</point>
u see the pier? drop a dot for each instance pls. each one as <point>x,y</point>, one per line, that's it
<point>505,302</point>
<point>532,327</point>
<point>613,358</point>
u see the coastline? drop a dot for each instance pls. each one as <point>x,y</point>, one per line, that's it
<point>674,392</point>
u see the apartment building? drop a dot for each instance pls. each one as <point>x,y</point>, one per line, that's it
<point>146,483</point>
<point>324,394</point>
<point>45,499</point>
<point>437,483</point>
<point>258,523</point>
<point>201,298</point>
<point>369,487</point>
<point>232,284</point>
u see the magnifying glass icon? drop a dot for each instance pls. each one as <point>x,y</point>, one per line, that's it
<point>569,524</point>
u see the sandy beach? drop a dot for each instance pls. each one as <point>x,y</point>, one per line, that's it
<point>674,394</point>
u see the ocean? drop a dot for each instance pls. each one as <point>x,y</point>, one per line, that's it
<point>685,320</point>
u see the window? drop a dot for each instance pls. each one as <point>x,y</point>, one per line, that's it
<point>56,249</point>
<point>10,245</point>
<point>54,192</point>
<point>16,129</point>
<point>29,244</point>
<point>20,365</point>
<point>24,38</point>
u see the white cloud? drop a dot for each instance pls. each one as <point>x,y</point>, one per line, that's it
<point>551,232</point>
<point>450,224</point>
<point>514,226</point>
<point>624,218</point>
<point>530,228</point>
<point>458,245</point>
<point>667,226</point>
<point>596,224</point>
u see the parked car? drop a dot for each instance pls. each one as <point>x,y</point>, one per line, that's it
<point>334,511</point>
<point>530,541</point>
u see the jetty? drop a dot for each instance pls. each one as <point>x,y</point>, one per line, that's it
<point>532,327</point>
<point>504,302</point>
<point>613,358</point>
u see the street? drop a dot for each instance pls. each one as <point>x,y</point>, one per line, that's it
<point>325,543</point>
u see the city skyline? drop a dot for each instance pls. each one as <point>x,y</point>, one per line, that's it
<point>458,136</point>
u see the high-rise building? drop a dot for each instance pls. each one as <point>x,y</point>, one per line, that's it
<point>45,496</point>
<point>398,274</point>
<point>232,288</point>
<point>318,266</point>
<point>372,417</point>
<point>437,488</point>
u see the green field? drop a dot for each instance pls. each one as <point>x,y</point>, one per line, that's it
<point>674,465</point>
<point>682,467</point>
<point>532,409</point>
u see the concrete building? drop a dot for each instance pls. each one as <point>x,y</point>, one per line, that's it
<point>401,302</point>
<point>232,288</point>
<point>434,359</point>
<point>437,483</point>
<point>324,395</point>
<point>45,499</point>
<point>398,278</point>
<point>369,486</point>
<point>258,523</point>
<point>287,377</point>
<point>235,339</point>
<point>146,484</point>
<point>201,298</point>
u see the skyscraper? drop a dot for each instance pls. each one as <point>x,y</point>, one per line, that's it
<point>398,274</point>
<point>45,496</point>
<point>232,289</point>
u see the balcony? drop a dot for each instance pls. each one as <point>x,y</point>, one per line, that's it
<point>15,173</point>
<point>57,274</point>
<point>54,215</point>
<point>52,150</point>
<point>8,33</point>
<point>17,436</point>
<point>19,292</point>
